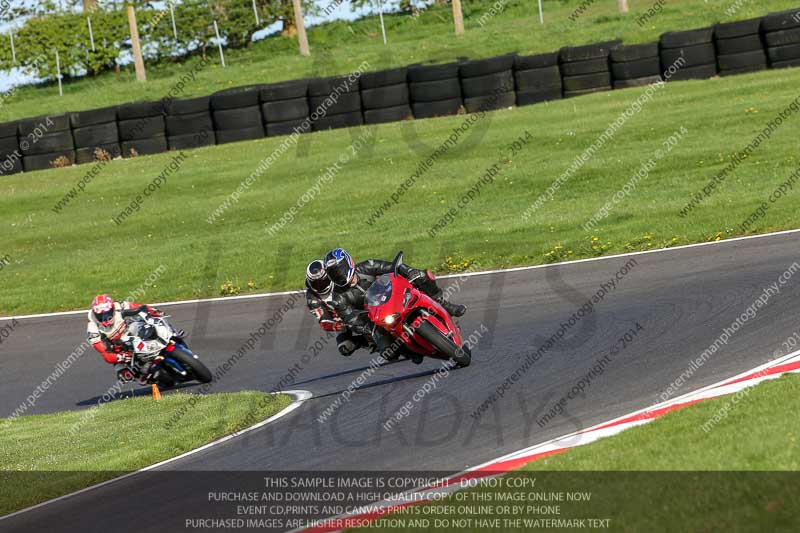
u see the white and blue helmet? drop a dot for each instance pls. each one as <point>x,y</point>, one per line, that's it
<point>340,267</point>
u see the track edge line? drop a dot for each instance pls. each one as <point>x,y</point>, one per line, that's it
<point>446,276</point>
<point>299,395</point>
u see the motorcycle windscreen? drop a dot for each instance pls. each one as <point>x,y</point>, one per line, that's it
<point>380,291</point>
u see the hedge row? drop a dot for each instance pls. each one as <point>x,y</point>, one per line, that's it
<point>416,91</point>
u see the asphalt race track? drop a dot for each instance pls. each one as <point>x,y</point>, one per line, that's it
<point>682,298</point>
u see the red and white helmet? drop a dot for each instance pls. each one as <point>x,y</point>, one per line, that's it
<point>103,309</point>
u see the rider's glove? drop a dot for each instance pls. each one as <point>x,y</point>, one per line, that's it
<point>124,357</point>
<point>124,375</point>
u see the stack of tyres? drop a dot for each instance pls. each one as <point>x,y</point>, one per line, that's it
<point>10,156</point>
<point>586,69</point>
<point>782,37</point>
<point>237,115</point>
<point>538,78</point>
<point>95,134</point>
<point>335,102</point>
<point>435,90</point>
<point>46,142</point>
<point>188,123</point>
<point>635,65</point>
<point>141,128</point>
<point>284,108</point>
<point>384,96</point>
<point>488,83</point>
<point>739,47</point>
<point>691,52</point>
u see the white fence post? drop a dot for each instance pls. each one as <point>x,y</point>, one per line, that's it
<point>255,12</point>
<point>541,13</point>
<point>383,28</point>
<point>58,75</point>
<point>91,34</point>
<point>219,44</point>
<point>13,50</point>
<point>172,16</point>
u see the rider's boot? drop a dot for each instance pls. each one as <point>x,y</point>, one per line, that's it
<point>428,285</point>
<point>455,310</point>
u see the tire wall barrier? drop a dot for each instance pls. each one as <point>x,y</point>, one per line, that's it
<point>416,91</point>
<point>385,96</point>
<point>284,108</point>
<point>587,69</point>
<point>236,116</point>
<point>334,103</point>
<point>781,32</point>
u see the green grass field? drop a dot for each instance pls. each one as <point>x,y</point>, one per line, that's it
<point>338,48</point>
<point>74,449</point>
<point>59,261</point>
<point>748,448</point>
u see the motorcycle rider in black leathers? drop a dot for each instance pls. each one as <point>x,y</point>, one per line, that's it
<point>349,295</point>
<point>319,296</point>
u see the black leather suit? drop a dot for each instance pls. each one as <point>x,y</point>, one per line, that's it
<point>350,303</point>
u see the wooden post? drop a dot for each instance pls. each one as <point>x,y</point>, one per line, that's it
<point>301,28</point>
<point>458,17</point>
<point>138,61</point>
<point>623,6</point>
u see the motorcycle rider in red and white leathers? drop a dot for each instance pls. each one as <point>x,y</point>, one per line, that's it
<point>106,327</point>
<point>319,295</point>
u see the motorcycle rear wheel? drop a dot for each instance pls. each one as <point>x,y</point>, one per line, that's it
<point>444,344</point>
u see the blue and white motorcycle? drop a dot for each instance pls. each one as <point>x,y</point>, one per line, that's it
<point>160,354</point>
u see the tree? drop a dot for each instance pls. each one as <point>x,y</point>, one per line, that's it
<point>406,6</point>
<point>283,11</point>
<point>61,25</point>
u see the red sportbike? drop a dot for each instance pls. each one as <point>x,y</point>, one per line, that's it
<point>414,318</point>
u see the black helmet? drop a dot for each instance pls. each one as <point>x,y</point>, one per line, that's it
<point>340,267</point>
<point>317,278</point>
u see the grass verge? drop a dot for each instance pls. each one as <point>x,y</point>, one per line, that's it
<point>339,47</point>
<point>51,264</point>
<point>74,449</point>
<point>657,477</point>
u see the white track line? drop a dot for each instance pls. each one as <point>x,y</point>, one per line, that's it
<point>299,395</point>
<point>706,392</point>
<point>463,274</point>
<point>591,434</point>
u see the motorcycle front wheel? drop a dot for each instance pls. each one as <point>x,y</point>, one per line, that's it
<point>444,344</point>
<point>195,367</point>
